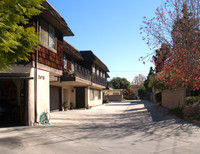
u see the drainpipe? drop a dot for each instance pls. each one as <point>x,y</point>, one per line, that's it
<point>36,74</point>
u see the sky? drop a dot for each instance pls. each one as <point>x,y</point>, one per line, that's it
<point>110,28</point>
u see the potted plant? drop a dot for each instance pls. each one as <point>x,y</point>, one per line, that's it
<point>65,106</point>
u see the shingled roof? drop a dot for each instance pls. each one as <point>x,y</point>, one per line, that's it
<point>90,56</point>
<point>52,16</point>
<point>70,50</point>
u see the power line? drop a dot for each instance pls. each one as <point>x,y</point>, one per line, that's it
<point>131,71</point>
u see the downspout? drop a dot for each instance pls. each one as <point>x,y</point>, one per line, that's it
<point>36,74</point>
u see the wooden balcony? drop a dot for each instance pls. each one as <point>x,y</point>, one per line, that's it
<point>83,73</point>
<point>79,71</point>
<point>99,80</point>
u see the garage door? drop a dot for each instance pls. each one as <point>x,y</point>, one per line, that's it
<point>55,99</point>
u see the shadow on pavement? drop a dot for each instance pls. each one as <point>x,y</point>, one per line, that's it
<point>150,120</point>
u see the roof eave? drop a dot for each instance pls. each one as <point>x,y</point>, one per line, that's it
<point>52,16</point>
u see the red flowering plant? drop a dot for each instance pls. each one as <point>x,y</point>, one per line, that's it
<point>126,92</point>
<point>132,92</point>
<point>129,95</point>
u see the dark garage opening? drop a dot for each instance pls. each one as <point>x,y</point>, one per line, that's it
<point>13,106</point>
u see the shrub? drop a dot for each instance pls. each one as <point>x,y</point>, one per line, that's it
<point>158,96</point>
<point>178,111</point>
<point>192,110</point>
<point>192,100</point>
<point>132,92</point>
<point>105,101</point>
<point>142,92</point>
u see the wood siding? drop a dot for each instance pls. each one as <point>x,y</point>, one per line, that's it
<point>50,58</point>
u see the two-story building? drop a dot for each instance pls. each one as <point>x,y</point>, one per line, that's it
<point>84,78</point>
<point>24,90</point>
<point>56,73</point>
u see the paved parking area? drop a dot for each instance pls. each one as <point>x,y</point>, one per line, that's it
<point>120,127</point>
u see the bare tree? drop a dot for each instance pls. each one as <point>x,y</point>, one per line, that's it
<point>139,80</point>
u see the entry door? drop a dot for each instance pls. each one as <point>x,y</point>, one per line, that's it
<point>80,97</point>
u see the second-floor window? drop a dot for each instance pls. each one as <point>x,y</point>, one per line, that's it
<point>72,65</point>
<point>47,34</point>
<point>97,71</point>
<point>93,68</point>
<point>104,75</point>
<point>65,61</point>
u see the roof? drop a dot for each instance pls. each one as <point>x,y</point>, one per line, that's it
<point>90,56</point>
<point>15,76</point>
<point>72,51</point>
<point>52,16</point>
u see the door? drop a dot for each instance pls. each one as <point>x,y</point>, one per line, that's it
<point>55,98</point>
<point>80,97</point>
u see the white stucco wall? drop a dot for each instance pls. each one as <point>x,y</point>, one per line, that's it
<point>96,101</point>
<point>31,96</point>
<point>68,94</point>
<point>43,93</point>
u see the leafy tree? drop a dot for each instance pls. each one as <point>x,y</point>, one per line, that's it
<point>121,83</point>
<point>161,56</point>
<point>154,83</point>
<point>17,39</point>
<point>183,67</point>
<point>177,25</point>
<point>146,82</point>
<point>139,80</point>
<point>144,91</point>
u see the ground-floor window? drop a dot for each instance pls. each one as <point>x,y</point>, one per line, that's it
<point>95,93</point>
<point>91,94</point>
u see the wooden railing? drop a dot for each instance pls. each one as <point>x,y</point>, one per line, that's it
<point>99,80</point>
<point>82,72</point>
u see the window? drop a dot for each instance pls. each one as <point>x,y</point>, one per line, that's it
<point>95,94</point>
<point>103,75</point>
<point>97,71</point>
<point>52,42</point>
<point>99,94</point>
<point>91,94</point>
<point>93,68</point>
<point>72,65</point>
<point>47,34</point>
<point>65,62</point>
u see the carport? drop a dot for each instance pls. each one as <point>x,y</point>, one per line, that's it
<point>13,99</point>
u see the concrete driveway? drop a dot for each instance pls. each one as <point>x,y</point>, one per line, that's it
<point>135,127</point>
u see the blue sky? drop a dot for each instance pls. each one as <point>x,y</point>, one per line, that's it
<point>110,28</point>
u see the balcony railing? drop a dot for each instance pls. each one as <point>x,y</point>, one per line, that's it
<point>79,71</point>
<point>99,80</point>
<point>82,72</point>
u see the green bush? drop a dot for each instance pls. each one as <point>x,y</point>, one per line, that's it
<point>105,101</point>
<point>178,111</point>
<point>192,100</point>
<point>158,96</point>
<point>143,94</point>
